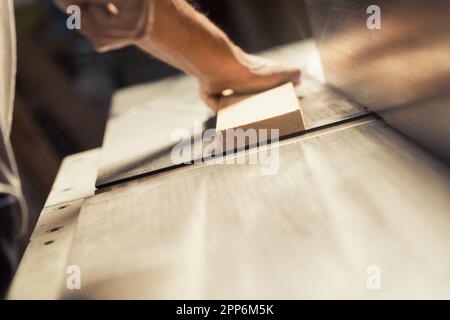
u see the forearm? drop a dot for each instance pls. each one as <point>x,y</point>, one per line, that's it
<point>186,39</point>
<point>176,33</point>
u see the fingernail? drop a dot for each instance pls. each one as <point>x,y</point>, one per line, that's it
<point>112,9</point>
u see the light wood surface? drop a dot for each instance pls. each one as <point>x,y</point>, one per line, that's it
<point>344,199</point>
<point>275,109</point>
<point>42,270</point>
<point>75,178</point>
<point>138,138</point>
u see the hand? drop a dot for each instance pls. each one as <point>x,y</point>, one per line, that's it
<point>256,74</point>
<point>112,24</point>
<point>176,33</point>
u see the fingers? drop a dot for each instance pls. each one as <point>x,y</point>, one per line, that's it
<point>230,100</point>
<point>252,86</point>
<point>266,80</point>
<point>211,100</point>
<point>293,75</point>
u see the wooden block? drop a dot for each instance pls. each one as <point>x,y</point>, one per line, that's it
<point>277,108</point>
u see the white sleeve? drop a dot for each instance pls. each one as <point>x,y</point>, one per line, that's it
<point>9,177</point>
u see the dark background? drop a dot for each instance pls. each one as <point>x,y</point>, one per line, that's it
<point>64,87</point>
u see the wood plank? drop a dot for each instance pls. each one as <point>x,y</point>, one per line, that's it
<point>75,179</point>
<point>138,138</point>
<point>42,271</point>
<point>275,109</point>
<point>357,195</point>
<point>148,115</point>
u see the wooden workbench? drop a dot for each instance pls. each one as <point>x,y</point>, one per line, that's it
<point>347,195</point>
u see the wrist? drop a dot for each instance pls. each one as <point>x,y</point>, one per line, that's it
<point>182,37</point>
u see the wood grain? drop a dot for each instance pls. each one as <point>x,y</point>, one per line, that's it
<point>138,138</point>
<point>275,109</point>
<point>343,199</point>
<point>76,178</point>
<point>42,271</point>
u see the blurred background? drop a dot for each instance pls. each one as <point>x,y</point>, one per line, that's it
<point>64,87</point>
